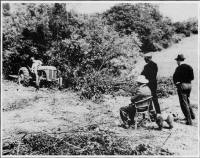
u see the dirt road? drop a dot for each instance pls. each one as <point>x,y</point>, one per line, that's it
<point>25,111</point>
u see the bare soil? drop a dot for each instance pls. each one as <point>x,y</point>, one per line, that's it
<point>24,110</point>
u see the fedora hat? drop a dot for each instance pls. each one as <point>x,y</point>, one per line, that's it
<point>142,79</point>
<point>180,57</point>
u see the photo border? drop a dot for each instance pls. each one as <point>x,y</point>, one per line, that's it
<point>197,2</point>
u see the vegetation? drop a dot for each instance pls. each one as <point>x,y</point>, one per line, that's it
<point>186,27</point>
<point>81,142</point>
<point>94,52</point>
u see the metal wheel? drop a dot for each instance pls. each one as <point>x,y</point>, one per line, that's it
<point>24,76</point>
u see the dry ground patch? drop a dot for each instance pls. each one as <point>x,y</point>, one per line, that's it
<point>62,111</point>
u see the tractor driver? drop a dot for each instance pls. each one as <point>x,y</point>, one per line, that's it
<point>34,69</point>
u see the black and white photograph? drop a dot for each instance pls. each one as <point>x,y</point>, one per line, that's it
<point>99,78</point>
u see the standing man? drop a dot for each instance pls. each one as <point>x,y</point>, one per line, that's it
<point>150,72</point>
<point>34,69</point>
<point>182,79</point>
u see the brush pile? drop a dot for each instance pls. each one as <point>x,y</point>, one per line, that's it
<point>90,142</point>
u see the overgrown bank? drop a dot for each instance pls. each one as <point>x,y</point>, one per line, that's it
<point>93,52</point>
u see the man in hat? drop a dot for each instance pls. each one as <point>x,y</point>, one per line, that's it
<point>182,79</point>
<point>34,69</point>
<point>127,113</point>
<point>150,72</point>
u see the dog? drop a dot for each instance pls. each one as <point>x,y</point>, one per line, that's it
<point>164,117</point>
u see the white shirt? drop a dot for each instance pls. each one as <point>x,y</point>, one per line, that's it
<point>36,64</point>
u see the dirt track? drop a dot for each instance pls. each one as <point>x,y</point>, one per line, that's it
<point>25,110</point>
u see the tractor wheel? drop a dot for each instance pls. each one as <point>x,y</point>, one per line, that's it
<point>24,76</point>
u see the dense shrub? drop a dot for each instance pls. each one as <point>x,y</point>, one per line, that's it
<point>93,52</point>
<point>187,27</point>
<point>177,37</point>
<point>23,36</point>
<point>79,44</point>
<point>165,87</point>
<point>144,19</point>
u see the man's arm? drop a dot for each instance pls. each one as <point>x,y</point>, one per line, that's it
<point>176,77</point>
<point>154,70</point>
<point>191,74</point>
<point>150,71</point>
<point>141,93</point>
<point>143,72</point>
<point>135,98</point>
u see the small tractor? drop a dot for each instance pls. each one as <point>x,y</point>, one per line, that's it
<point>47,74</point>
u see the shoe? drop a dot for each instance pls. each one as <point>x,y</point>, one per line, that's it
<point>193,117</point>
<point>188,123</point>
<point>125,126</point>
<point>130,122</point>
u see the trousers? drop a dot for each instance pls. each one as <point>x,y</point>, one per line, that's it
<point>184,90</point>
<point>127,114</point>
<point>153,88</point>
<point>34,74</point>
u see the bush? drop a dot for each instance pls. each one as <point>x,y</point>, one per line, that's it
<point>97,86</point>
<point>166,87</point>
<point>84,47</point>
<point>145,20</point>
<point>187,27</point>
<point>83,142</point>
<point>23,35</point>
<point>177,38</point>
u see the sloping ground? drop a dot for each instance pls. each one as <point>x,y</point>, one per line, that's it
<point>184,139</point>
<point>167,65</point>
<point>54,111</point>
<point>26,111</point>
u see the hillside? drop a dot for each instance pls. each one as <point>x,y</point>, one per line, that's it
<point>26,111</point>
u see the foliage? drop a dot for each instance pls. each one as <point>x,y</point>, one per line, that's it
<point>78,143</point>
<point>177,37</point>
<point>145,20</point>
<point>82,142</point>
<point>187,27</point>
<point>96,84</point>
<point>166,87</point>
<point>23,36</point>
<point>93,52</point>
